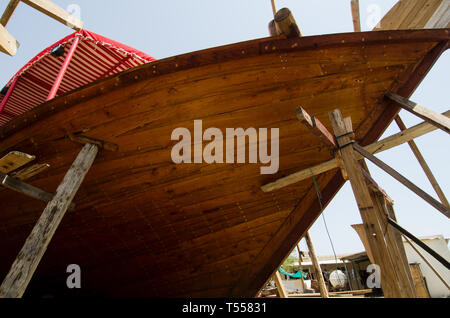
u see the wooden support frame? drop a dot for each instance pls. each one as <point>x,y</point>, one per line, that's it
<point>280,287</point>
<point>426,114</point>
<point>37,242</point>
<point>436,204</point>
<point>382,145</point>
<point>426,169</point>
<point>316,265</point>
<point>374,232</point>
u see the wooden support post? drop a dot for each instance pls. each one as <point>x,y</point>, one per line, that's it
<point>285,22</point>
<point>300,260</point>
<point>12,5</point>
<point>37,242</point>
<point>426,114</point>
<point>424,165</point>
<point>316,265</point>
<point>382,145</point>
<point>280,287</point>
<point>439,206</point>
<point>401,268</point>
<point>356,16</point>
<point>374,232</point>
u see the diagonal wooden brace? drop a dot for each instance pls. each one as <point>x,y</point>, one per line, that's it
<point>37,242</point>
<point>26,189</point>
<point>426,114</point>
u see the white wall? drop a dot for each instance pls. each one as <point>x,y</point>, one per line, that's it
<point>436,288</point>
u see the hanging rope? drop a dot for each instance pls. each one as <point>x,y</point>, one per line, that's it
<point>319,197</point>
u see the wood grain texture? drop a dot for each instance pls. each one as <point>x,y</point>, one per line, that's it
<point>23,268</point>
<point>138,214</point>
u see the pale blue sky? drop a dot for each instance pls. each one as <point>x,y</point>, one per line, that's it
<point>171,27</point>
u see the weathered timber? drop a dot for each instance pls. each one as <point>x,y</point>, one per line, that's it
<point>374,185</point>
<point>432,201</point>
<point>23,268</point>
<point>100,143</point>
<point>280,287</point>
<point>374,232</point>
<point>286,23</point>
<point>356,15</point>
<point>424,165</point>
<point>426,114</point>
<point>273,29</point>
<point>26,189</point>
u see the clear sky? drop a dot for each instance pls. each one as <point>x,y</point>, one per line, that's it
<point>171,27</point>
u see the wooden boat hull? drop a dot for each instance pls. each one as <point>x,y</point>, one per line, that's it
<point>146,227</point>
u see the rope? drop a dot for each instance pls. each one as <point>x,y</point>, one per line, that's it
<point>319,197</point>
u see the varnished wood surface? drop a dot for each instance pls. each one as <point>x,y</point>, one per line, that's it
<point>144,226</point>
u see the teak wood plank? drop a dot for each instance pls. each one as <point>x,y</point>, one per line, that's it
<point>382,145</point>
<point>28,259</point>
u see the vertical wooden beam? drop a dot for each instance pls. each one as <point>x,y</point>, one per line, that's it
<point>402,269</point>
<point>428,198</point>
<point>316,265</point>
<point>280,287</point>
<point>37,242</point>
<point>356,16</point>
<point>424,165</point>
<point>300,261</point>
<point>374,233</point>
